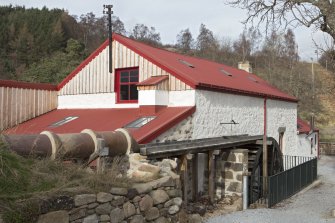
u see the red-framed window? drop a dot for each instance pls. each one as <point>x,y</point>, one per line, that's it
<point>126,81</point>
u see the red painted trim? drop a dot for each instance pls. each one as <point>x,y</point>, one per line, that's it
<point>152,60</point>
<point>209,87</point>
<point>117,85</point>
<point>153,80</point>
<point>155,132</point>
<point>27,85</point>
<point>83,64</point>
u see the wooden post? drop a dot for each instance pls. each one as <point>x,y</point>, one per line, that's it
<point>265,152</point>
<point>185,176</point>
<point>211,180</point>
<point>195,177</point>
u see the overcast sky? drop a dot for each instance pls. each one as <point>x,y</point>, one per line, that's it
<point>171,16</point>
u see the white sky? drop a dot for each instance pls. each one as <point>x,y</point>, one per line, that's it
<point>171,16</point>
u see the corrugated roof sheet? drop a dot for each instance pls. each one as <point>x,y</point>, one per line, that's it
<point>104,120</point>
<point>303,127</point>
<point>200,73</point>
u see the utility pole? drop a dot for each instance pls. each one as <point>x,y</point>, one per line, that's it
<point>108,10</point>
<point>313,86</point>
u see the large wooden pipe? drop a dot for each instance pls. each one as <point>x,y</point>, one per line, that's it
<point>71,146</point>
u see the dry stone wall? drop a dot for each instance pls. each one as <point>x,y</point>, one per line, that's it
<point>156,201</point>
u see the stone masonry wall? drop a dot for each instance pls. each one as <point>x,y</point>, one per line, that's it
<point>230,167</point>
<point>181,131</point>
<point>156,201</point>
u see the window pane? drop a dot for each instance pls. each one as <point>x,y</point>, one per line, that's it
<point>133,92</point>
<point>134,73</point>
<point>124,74</point>
<point>124,80</point>
<point>124,92</point>
<point>134,76</point>
<point>133,79</point>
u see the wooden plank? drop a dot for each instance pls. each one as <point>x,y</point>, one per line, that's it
<point>184,168</point>
<point>211,174</point>
<point>195,177</point>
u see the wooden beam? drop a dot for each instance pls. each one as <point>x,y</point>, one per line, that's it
<point>211,180</point>
<point>195,177</point>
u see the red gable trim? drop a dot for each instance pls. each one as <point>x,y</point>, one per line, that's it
<point>27,85</point>
<point>207,87</point>
<point>83,64</point>
<point>163,127</point>
<point>152,60</point>
<point>154,80</point>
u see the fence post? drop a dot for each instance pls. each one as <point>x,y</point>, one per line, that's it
<point>245,192</point>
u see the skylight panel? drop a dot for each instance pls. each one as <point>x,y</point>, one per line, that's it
<point>226,72</point>
<point>186,63</point>
<point>64,121</point>
<point>252,79</point>
<point>138,123</point>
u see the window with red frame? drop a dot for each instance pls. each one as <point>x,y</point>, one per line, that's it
<point>126,85</point>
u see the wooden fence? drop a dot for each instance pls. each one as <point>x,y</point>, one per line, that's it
<point>20,101</point>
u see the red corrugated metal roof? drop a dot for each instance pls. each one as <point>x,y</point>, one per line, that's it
<point>27,85</point>
<point>105,120</point>
<point>303,127</point>
<point>153,80</point>
<point>196,72</point>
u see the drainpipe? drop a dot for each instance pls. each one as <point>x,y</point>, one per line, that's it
<point>265,151</point>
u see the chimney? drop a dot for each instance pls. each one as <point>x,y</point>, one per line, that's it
<point>245,65</point>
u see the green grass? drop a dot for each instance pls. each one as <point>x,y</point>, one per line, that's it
<point>25,181</point>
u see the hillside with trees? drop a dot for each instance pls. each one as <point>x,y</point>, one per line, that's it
<point>48,50</point>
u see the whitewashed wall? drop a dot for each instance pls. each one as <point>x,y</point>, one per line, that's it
<point>213,108</point>
<point>304,144</point>
<point>283,114</point>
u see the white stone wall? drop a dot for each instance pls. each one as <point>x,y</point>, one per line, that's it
<point>283,114</point>
<point>213,108</point>
<point>182,98</point>
<point>305,146</point>
<point>181,131</point>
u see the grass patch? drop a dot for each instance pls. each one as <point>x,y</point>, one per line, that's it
<point>25,181</point>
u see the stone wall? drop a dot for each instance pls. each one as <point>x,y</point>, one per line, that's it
<point>213,108</point>
<point>181,131</point>
<point>156,201</point>
<point>327,148</point>
<point>230,167</point>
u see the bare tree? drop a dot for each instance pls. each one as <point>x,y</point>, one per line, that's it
<point>185,40</point>
<point>317,13</point>
<point>147,35</point>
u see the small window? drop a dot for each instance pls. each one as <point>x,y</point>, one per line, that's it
<point>138,123</point>
<point>125,85</point>
<point>64,121</point>
<point>186,63</point>
<point>226,72</point>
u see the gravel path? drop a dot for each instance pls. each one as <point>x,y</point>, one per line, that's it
<point>313,206</point>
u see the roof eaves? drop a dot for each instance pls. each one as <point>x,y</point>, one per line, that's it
<point>27,85</point>
<point>211,87</point>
